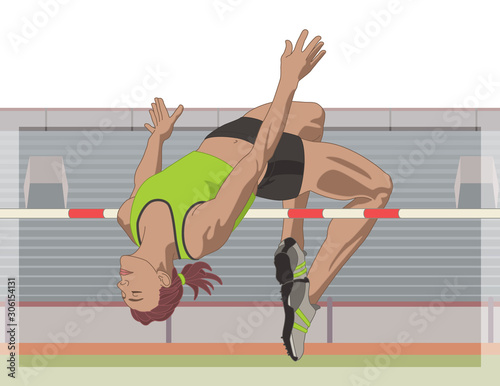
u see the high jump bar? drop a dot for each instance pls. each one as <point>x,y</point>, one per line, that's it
<point>352,213</point>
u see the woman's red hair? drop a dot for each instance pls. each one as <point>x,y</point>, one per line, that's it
<point>196,277</point>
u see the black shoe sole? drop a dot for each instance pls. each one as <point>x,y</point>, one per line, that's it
<point>286,289</point>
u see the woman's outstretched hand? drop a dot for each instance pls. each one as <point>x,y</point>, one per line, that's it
<point>163,123</point>
<point>296,63</point>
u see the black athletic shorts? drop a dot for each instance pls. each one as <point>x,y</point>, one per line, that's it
<point>285,170</point>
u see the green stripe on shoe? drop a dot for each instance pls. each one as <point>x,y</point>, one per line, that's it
<point>300,273</point>
<point>300,328</point>
<point>303,317</point>
<point>300,266</point>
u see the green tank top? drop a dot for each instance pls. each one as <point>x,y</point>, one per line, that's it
<point>195,178</point>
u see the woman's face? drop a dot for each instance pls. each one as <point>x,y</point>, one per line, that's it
<point>140,283</point>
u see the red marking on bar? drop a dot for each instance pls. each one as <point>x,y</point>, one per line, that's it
<point>305,213</point>
<point>86,213</point>
<point>381,213</point>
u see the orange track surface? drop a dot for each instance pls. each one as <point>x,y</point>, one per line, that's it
<point>252,349</point>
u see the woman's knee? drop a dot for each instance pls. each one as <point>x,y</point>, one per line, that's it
<point>318,118</point>
<point>386,183</point>
<point>317,113</point>
<point>383,191</point>
<point>313,120</point>
<point>314,113</point>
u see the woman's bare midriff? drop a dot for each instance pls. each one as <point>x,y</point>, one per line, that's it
<point>230,150</point>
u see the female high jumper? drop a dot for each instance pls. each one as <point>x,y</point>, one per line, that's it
<point>189,209</point>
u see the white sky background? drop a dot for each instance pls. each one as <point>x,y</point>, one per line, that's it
<point>90,53</point>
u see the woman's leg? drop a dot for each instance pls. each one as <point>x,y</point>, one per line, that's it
<point>339,173</point>
<point>306,120</point>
